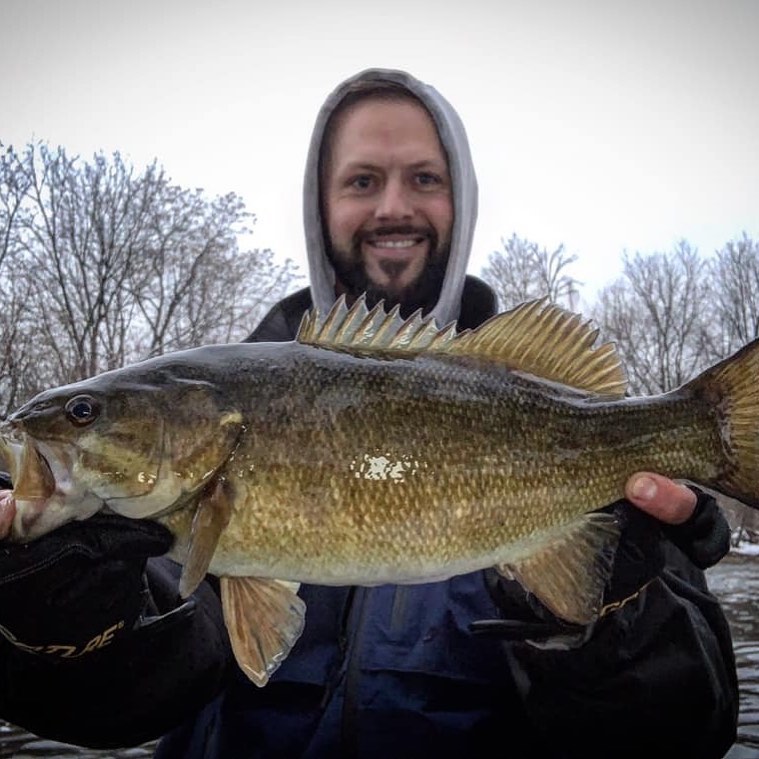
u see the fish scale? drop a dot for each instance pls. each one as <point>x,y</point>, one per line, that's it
<point>314,509</point>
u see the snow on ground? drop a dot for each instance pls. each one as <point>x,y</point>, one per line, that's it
<point>746,549</point>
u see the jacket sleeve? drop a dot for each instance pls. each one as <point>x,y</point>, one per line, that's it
<point>656,674</point>
<point>146,682</point>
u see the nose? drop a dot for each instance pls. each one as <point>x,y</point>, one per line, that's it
<point>394,202</point>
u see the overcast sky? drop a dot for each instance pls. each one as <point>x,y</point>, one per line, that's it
<point>604,125</point>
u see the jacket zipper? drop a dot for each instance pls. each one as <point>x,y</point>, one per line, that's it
<point>350,712</point>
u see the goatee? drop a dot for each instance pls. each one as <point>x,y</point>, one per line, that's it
<point>422,293</point>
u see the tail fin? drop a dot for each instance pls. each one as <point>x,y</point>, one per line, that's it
<point>732,387</point>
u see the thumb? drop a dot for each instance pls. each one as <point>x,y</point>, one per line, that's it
<point>665,499</point>
<point>7,512</point>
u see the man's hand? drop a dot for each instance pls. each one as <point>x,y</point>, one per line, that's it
<point>7,512</point>
<point>660,497</point>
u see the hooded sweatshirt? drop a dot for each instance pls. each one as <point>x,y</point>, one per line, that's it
<point>464,184</point>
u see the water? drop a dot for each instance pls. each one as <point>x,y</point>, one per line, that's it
<point>20,745</point>
<point>735,580</point>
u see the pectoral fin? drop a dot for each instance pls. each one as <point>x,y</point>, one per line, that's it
<point>264,619</point>
<point>569,567</point>
<point>211,517</point>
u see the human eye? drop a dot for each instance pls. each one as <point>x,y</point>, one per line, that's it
<point>428,179</point>
<point>361,182</point>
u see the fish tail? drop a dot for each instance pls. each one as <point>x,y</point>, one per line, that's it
<point>731,387</point>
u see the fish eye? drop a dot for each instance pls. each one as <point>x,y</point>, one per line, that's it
<point>82,409</point>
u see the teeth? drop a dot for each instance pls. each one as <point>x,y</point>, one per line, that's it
<point>394,243</point>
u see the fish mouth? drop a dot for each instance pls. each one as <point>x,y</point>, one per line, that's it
<point>34,484</point>
<point>30,472</point>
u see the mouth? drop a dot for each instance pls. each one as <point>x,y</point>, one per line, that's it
<point>33,488</point>
<point>396,243</point>
<point>397,238</point>
<point>32,478</point>
<point>396,249</point>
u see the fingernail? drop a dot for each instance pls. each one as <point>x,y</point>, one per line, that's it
<point>643,488</point>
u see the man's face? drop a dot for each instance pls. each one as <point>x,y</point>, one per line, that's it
<point>387,202</point>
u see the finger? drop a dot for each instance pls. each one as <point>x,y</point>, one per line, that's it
<point>661,497</point>
<point>7,512</point>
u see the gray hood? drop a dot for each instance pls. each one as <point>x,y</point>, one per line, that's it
<point>464,183</point>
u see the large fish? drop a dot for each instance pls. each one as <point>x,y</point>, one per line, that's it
<point>372,450</point>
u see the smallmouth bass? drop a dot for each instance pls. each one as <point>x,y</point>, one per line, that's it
<point>374,450</point>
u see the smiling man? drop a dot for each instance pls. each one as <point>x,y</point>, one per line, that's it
<point>387,199</point>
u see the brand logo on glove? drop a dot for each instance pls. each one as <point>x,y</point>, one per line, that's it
<point>615,605</point>
<point>64,650</point>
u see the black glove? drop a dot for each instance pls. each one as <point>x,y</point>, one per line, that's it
<point>524,616</point>
<point>77,589</point>
<point>638,559</point>
<point>704,538</point>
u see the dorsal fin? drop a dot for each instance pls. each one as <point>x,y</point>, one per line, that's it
<point>536,337</point>
<point>359,328</point>
<point>543,339</point>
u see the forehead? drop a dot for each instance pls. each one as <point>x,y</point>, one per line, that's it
<point>380,131</point>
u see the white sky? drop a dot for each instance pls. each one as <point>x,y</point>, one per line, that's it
<point>605,125</point>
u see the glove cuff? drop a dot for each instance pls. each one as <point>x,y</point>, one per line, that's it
<point>705,536</point>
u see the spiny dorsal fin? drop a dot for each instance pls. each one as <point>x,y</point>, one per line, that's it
<point>359,328</point>
<point>543,339</point>
<point>537,337</point>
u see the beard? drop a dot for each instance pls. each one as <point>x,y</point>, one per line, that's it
<point>423,292</point>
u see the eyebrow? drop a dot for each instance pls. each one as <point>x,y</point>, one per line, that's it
<point>425,164</point>
<point>434,163</point>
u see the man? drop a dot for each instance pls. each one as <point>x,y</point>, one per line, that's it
<point>455,668</point>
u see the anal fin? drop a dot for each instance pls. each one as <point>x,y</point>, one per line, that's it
<point>569,567</point>
<point>264,619</point>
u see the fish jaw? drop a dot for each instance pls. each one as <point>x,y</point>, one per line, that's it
<point>52,488</point>
<point>45,495</point>
<point>37,517</point>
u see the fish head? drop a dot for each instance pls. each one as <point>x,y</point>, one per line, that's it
<point>135,448</point>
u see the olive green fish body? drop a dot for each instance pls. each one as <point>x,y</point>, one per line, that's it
<point>364,470</point>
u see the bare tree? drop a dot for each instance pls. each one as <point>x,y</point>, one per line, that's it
<point>522,271</point>
<point>102,264</point>
<point>656,314</point>
<point>13,187</point>
<point>20,374</point>
<point>238,291</point>
<point>82,234</point>
<point>196,285</point>
<point>735,292</point>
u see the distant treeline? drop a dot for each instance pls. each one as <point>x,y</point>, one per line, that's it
<point>103,264</point>
<point>671,314</point>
